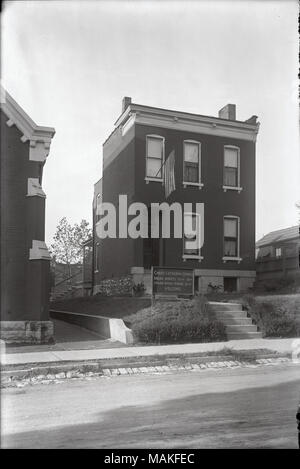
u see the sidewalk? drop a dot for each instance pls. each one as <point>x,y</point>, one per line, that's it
<point>59,356</point>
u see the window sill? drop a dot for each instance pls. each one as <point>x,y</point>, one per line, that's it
<point>149,179</point>
<point>96,271</point>
<point>193,184</point>
<point>229,258</point>
<point>232,188</point>
<point>192,257</point>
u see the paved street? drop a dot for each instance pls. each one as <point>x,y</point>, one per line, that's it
<point>237,408</point>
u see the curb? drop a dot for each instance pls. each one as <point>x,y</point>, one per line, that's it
<point>55,373</point>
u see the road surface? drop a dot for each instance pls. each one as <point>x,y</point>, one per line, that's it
<point>230,408</point>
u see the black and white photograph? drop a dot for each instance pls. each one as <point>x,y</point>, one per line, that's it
<point>150,227</point>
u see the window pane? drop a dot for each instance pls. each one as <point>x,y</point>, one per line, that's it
<point>231,157</point>
<point>230,227</point>
<point>187,244</point>
<point>230,177</point>
<point>191,152</point>
<point>230,248</point>
<point>154,167</point>
<point>191,172</point>
<point>154,147</point>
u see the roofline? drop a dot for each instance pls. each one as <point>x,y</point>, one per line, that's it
<point>98,181</point>
<point>187,115</point>
<point>17,116</point>
<point>277,231</point>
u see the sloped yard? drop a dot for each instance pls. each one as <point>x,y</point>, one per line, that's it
<point>176,322</point>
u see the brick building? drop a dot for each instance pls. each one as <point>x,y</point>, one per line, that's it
<point>25,258</point>
<point>214,165</point>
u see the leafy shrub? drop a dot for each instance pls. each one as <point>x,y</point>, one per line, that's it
<point>283,283</point>
<point>281,327</point>
<point>271,319</point>
<point>182,321</point>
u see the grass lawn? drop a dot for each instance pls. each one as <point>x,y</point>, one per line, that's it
<point>102,306</point>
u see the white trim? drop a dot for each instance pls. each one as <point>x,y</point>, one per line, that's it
<point>232,188</point>
<point>238,188</point>
<point>128,124</point>
<point>39,251</point>
<point>228,258</point>
<point>38,136</point>
<point>225,273</point>
<point>34,188</point>
<point>189,122</point>
<point>192,257</point>
<point>195,184</point>
<point>151,178</point>
<point>186,183</point>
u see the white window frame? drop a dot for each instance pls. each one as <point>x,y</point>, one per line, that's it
<point>187,183</point>
<point>237,188</point>
<point>236,258</point>
<point>278,256</point>
<point>149,178</point>
<point>185,257</point>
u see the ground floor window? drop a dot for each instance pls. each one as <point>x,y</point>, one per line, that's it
<point>230,284</point>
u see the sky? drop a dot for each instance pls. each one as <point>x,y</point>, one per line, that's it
<point>69,64</point>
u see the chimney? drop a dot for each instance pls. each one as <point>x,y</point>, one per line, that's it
<point>228,112</point>
<point>125,103</point>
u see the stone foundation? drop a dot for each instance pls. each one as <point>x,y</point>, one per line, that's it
<point>27,332</point>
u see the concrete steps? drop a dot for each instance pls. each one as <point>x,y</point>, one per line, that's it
<point>245,335</point>
<point>238,324</point>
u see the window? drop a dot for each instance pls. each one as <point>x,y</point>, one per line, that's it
<point>97,257</point>
<point>191,235</point>
<point>231,167</point>
<point>98,203</point>
<point>231,237</point>
<point>191,162</point>
<point>154,157</point>
<point>278,252</point>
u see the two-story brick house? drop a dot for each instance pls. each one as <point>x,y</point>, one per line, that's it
<point>25,280</point>
<point>214,165</point>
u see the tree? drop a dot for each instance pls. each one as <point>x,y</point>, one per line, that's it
<point>68,240</point>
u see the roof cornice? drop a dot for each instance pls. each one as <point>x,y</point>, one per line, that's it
<point>39,136</point>
<point>187,121</point>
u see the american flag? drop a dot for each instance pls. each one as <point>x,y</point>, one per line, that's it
<point>169,174</point>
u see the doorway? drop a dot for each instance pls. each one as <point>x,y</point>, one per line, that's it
<point>230,284</point>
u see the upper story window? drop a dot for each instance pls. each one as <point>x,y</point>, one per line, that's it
<point>231,238</point>
<point>155,154</point>
<point>278,252</point>
<point>231,178</point>
<point>98,203</point>
<point>191,163</point>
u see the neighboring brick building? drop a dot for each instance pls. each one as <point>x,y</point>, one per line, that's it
<point>278,254</point>
<point>25,258</point>
<point>214,164</point>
